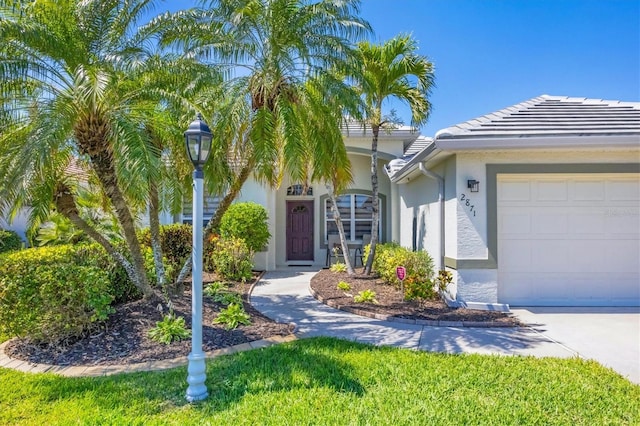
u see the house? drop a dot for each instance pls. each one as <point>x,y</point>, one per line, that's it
<point>536,204</point>
<point>300,220</point>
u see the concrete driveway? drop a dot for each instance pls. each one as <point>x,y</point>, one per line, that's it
<point>610,336</point>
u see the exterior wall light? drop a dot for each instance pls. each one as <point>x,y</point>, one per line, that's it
<point>473,185</point>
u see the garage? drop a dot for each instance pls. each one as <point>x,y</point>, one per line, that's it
<point>568,239</point>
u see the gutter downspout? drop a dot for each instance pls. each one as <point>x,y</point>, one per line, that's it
<point>440,179</point>
<point>428,173</point>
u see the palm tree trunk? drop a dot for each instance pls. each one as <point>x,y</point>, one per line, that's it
<point>375,215</point>
<point>65,204</point>
<point>154,228</point>
<point>214,222</point>
<point>343,237</point>
<point>105,170</point>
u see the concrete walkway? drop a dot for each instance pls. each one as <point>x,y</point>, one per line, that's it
<point>284,296</point>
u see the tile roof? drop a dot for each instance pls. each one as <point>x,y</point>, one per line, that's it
<point>416,146</point>
<point>550,116</point>
<point>354,128</point>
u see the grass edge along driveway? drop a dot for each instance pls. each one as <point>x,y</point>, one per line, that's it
<point>329,381</point>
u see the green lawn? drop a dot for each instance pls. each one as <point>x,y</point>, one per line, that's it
<point>325,381</point>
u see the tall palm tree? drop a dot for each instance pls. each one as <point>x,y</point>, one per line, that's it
<point>67,89</point>
<point>280,45</point>
<point>392,69</point>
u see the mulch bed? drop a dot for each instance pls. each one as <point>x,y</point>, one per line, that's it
<point>391,303</point>
<point>123,338</point>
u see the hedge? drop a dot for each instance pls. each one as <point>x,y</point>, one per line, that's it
<point>53,293</point>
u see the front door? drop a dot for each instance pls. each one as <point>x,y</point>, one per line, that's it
<point>300,230</point>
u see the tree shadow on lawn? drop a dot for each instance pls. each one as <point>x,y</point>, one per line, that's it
<point>304,364</point>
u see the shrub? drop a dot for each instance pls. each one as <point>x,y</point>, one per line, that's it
<point>419,283</point>
<point>53,293</point>
<point>344,286</point>
<point>230,259</point>
<point>121,287</point>
<point>233,316</point>
<point>247,221</point>
<point>176,242</point>
<point>9,241</point>
<point>365,296</point>
<point>170,329</point>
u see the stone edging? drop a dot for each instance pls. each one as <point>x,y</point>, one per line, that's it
<point>107,370</point>
<point>391,318</point>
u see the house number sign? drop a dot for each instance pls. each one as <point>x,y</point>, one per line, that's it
<point>466,202</point>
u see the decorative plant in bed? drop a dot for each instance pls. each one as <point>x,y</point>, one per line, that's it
<point>69,305</point>
<point>417,298</point>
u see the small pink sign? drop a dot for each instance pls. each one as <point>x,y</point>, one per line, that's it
<point>401,272</point>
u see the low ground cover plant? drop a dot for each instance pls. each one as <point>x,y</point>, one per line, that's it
<point>215,288</point>
<point>338,267</point>
<point>344,286</point>
<point>365,296</point>
<point>172,328</point>
<point>233,316</point>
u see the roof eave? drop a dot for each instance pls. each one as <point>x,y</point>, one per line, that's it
<point>462,143</point>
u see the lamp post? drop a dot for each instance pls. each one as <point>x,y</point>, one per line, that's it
<point>198,139</point>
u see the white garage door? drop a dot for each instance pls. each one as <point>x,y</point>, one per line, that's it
<point>569,240</point>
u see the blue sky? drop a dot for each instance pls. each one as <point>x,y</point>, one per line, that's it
<point>491,54</point>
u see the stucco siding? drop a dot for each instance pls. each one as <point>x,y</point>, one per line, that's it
<point>476,240</point>
<point>476,285</point>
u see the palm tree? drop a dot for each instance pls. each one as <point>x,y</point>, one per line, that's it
<point>181,84</point>
<point>68,90</point>
<point>392,69</point>
<point>281,45</point>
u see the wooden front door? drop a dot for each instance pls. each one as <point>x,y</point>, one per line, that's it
<point>300,230</point>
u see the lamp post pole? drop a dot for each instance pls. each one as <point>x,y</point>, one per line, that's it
<point>198,139</point>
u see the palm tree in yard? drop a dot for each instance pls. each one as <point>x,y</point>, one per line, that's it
<point>392,69</point>
<point>69,87</point>
<point>280,45</point>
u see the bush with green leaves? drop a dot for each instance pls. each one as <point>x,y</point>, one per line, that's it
<point>233,316</point>
<point>52,293</point>
<point>176,242</point>
<point>121,287</point>
<point>230,258</point>
<point>170,329</point>
<point>419,283</point>
<point>247,221</point>
<point>9,241</point>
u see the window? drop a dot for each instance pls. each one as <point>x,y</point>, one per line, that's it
<point>355,212</point>
<point>300,189</point>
